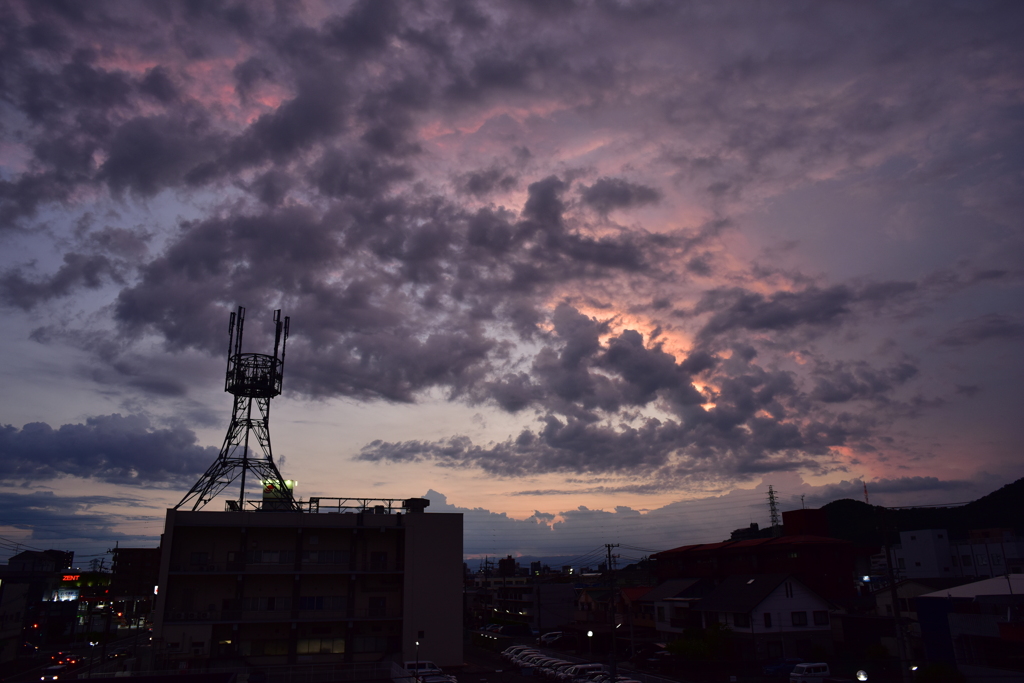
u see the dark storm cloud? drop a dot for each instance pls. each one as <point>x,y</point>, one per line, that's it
<point>984,328</point>
<point>741,309</point>
<point>615,193</point>
<point>314,150</point>
<point>755,420</point>
<point>484,182</point>
<point>66,521</point>
<point>78,270</point>
<point>811,308</point>
<point>108,448</point>
<point>840,382</point>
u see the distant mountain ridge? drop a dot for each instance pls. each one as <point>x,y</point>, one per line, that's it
<point>861,523</point>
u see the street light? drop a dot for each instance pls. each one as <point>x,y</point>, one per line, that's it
<point>590,642</point>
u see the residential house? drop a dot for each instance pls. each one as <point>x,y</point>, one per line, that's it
<point>670,606</point>
<point>771,616</point>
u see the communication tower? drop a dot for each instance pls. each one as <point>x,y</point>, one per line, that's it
<point>253,379</point>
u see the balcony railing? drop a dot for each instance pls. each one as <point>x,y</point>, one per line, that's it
<point>288,566</point>
<point>284,615</point>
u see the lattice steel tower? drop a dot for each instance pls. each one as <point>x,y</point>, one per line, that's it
<point>253,379</point>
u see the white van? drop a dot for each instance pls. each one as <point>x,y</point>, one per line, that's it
<point>811,672</point>
<point>422,667</point>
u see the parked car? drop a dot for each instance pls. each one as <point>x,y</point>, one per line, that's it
<point>436,678</point>
<point>53,673</point>
<point>550,671</point>
<point>579,672</point>
<point>549,637</point>
<point>555,673</point>
<point>811,672</point>
<point>513,650</point>
<point>422,667</point>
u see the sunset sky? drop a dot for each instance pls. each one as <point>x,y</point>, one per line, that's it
<point>588,271</point>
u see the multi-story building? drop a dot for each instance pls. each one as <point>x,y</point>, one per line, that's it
<point>49,613</point>
<point>134,576</point>
<point>977,627</point>
<point>931,553</point>
<point>987,552</point>
<point>286,587</point>
<point>541,603</point>
<point>923,554</point>
<point>825,565</point>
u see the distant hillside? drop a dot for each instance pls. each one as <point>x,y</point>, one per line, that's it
<point>859,522</point>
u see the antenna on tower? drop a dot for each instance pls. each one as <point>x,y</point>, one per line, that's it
<point>253,379</point>
<point>774,510</point>
<point>866,494</point>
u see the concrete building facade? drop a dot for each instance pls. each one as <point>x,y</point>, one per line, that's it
<point>287,587</point>
<point>930,553</point>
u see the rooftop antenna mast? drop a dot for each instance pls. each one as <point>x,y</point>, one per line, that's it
<point>253,379</point>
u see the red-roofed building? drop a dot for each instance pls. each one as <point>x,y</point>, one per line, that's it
<point>825,565</point>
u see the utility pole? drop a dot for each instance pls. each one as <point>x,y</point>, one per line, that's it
<point>613,664</point>
<point>901,644</point>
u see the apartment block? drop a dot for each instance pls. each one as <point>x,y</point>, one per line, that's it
<point>268,587</point>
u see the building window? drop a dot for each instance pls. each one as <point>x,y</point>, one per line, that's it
<point>369,644</point>
<point>661,613</point>
<point>941,536</point>
<point>270,557</point>
<point>913,538</point>
<point>378,606</point>
<point>901,563</point>
<point>321,646</point>
<point>326,557</point>
<point>955,560</point>
<point>767,619</point>
<point>966,559</point>
<point>741,620</point>
<point>982,561</point>
<point>266,604</point>
<point>997,558</point>
<point>820,618</point>
<point>199,558</point>
<point>917,564</point>
<point>799,618</point>
<point>378,561</point>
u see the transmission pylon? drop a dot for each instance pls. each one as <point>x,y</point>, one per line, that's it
<point>773,508</point>
<point>253,379</point>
